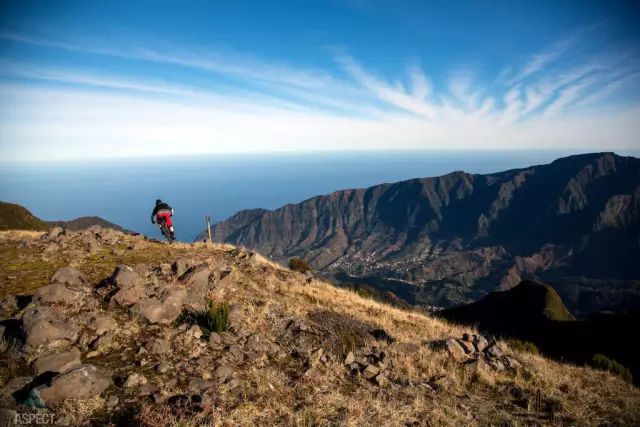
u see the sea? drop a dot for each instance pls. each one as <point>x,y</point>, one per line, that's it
<point>123,191</point>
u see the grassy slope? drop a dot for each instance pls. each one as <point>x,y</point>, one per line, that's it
<point>15,217</point>
<point>278,393</point>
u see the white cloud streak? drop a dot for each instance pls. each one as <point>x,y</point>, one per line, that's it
<point>271,107</point>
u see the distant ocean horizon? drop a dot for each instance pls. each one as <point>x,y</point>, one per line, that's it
<point>123,191</point>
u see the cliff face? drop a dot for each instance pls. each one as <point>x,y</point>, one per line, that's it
<point>449,239</point>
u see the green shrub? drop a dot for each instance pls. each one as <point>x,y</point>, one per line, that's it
<point>604,363</point>
<point>525,346</point>
<point>297,264</point>
<point>215,318</point>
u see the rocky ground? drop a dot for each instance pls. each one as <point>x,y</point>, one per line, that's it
<point>105,328</point>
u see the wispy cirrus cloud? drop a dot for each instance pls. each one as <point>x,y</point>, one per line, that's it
<point>265,105</point>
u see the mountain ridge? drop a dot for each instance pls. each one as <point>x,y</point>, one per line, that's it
<point>456,237</point>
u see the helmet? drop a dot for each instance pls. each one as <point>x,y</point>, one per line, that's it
<point>158,201</point>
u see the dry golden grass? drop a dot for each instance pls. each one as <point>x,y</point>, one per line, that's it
<point>280,392</point>
<point>569,395</point>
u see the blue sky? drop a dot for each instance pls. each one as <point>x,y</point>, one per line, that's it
<point>94,79</point>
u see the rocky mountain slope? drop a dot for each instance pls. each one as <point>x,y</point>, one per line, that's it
<point>16,217</point>
<point>574,223</point>
<point>104,328</point>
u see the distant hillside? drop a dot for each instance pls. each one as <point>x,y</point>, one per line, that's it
<point>518,311</point>
<point>522,308</point>
<point>453,239</point>
<point>533,311</point>
<point>16,217</point>
<point>85,222</point>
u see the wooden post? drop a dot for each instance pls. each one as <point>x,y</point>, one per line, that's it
<point>208,218</point>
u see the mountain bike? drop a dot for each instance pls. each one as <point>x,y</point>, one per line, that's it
<point>166,231</point>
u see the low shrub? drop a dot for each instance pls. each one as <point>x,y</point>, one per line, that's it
<point>300,265</point>
<point>215,318</point>
<point>604,363</point>
<point>525,346</point>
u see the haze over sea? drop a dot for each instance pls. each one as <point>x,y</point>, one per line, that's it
<point>123,191</point>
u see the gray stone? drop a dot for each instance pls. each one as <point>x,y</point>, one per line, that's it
<point>467,346</point>
<point>159,346</point>
<point>215,339</point>
<point>179,267</point>
<point>131,286</point>
<point>478,365</point>
<point>103,342</point>
<point>381,379</point>
<point>196,281</point>
<point>147,390</point>
<point>70,277</point>
<point>134,380</point>
<point>496,364</point>
<point>196,385</point>
<point>350,358</point>
<point>455,349</point>
<point>370,372</point>
<point>164,310</point>
<point>102,323</point>
<point>56,293</point>
<point>480,343</point>
<point>195,332</point>
<point>223,372</point>
<point>83,382</point>
<point>126,277</point>
<point>45,329</point>
<point>57,362</point>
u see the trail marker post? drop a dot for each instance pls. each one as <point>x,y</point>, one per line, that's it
<point>208,219</point>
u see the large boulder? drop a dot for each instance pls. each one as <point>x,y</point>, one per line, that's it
<point>131,286</point>
<point>455,349</point>
<point>179,267</point>
<point>57,362</point>
<point>196,281</point>
<point>163,310</point>
<point>70,277</point>
<point>56,293</point>
<point>82,382</point>
<point>44,328</point>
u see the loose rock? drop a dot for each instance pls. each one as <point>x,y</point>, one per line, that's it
<point>58,362</point>
<point>83,382</point>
